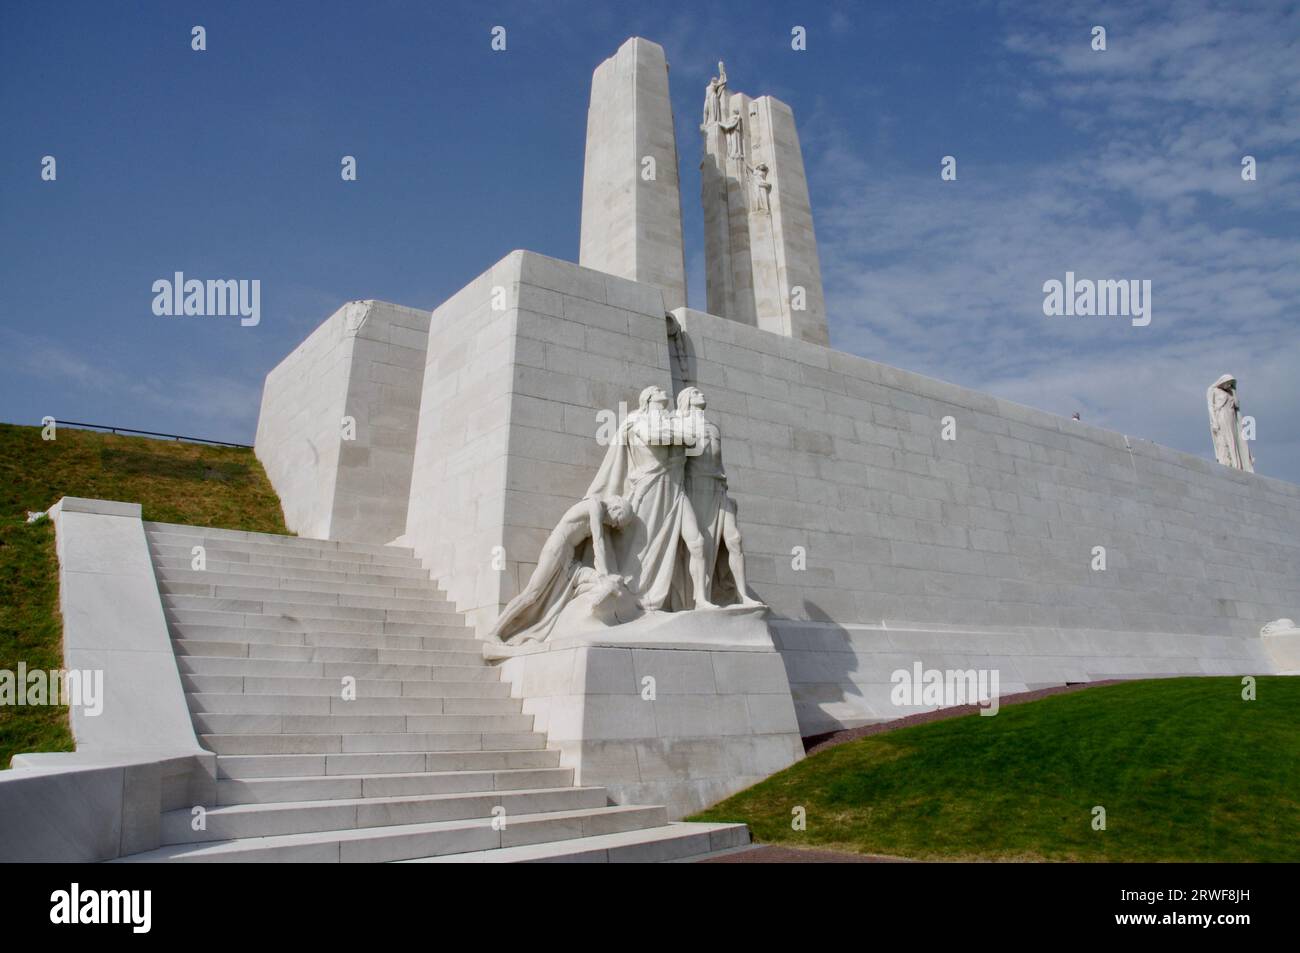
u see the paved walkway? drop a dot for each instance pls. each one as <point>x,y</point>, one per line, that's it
<point>761,854</point>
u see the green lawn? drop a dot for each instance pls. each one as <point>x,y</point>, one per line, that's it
<point>175,482</point>
<point>1185,769</point>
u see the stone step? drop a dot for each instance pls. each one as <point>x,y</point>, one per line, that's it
<point>454,627</point>
<point>300,542</point>
<point>209,665</point>
<point>351,743</point>
<point>432,643</point>
<point>230,723</point>
<point>267,637</point>
<point>412,602</point>
<point>407,841</point>
<point>283,546</point>
<point>173,559</point>
<point>318,653</point>
<point>178,605</point>
<point>260,685</point>
<point>244,767</point>
<point>303,817</point>
<point>229,553</point>
<point>330,787</point>
<point>242,573</point>
<point>677,841</point>
<point>238,704</point>
<point>188,581</point>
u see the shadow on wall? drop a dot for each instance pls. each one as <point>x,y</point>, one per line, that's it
<point>819,658</point>
<point>823,669</point>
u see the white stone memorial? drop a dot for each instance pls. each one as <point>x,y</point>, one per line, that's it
<point>870,543</point>
<point>516,522</point>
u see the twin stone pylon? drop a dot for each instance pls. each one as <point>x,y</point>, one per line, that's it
<point>631,199</point>
<point>760,248</point>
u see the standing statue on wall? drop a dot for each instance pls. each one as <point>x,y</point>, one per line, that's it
<point>715,97</point>
<point>735,144</point>
<point>1230,447</point>
<point>762,188</point>
<point>711,113</point>
<point>706,488</point>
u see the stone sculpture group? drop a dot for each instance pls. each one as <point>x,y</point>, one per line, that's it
<point>648,535</point>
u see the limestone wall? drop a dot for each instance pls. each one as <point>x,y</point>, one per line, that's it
<point>365,362</point>
<point>978,548</point>
<point>458,475</point>
<point>508,425</point>
<point>971,552</point>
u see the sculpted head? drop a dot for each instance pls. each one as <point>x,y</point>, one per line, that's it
<point>618,511</point>
<point>690,398</point>
<point>654,397</point>
<point>1226,382</point>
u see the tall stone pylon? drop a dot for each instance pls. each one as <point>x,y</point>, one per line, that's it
<point>760,250</point>
<point>631,197</point>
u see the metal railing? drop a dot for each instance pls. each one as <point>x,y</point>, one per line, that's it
<point>150,433</point>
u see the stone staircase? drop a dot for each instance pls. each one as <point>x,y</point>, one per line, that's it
<point>414,768</point>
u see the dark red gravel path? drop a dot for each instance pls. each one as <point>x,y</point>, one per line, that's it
<point>760,854</point>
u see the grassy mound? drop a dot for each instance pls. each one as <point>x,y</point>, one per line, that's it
<point>1185,769</point>
<point>175,482</point>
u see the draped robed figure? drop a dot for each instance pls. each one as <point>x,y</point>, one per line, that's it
<point>646,463</point>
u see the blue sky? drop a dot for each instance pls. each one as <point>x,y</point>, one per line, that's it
<point>225,163</point>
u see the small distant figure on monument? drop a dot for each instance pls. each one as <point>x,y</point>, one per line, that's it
<point>1230,447</point>
<point>762,188</point>
<point>711,114</point>
<point>715,97</point>
<point>1075,416</point>
<point>735,145</point>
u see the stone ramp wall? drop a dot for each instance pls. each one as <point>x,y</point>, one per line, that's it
<point>366,361</point>
<point>991,533</point>
<point>981,546</point>
<point>840,675</point>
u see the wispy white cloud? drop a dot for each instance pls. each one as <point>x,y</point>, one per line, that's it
<point>946,278</point>
<point>210,400</point>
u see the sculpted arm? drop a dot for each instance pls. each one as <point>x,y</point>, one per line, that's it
<point>663,430</point>
<point>600,555</point>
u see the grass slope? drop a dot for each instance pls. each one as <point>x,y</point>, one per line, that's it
<point>30,631</point>
<point>175,483</point>
<point>1185,769</point>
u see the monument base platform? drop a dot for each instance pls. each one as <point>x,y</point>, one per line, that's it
<point>680,709</point>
